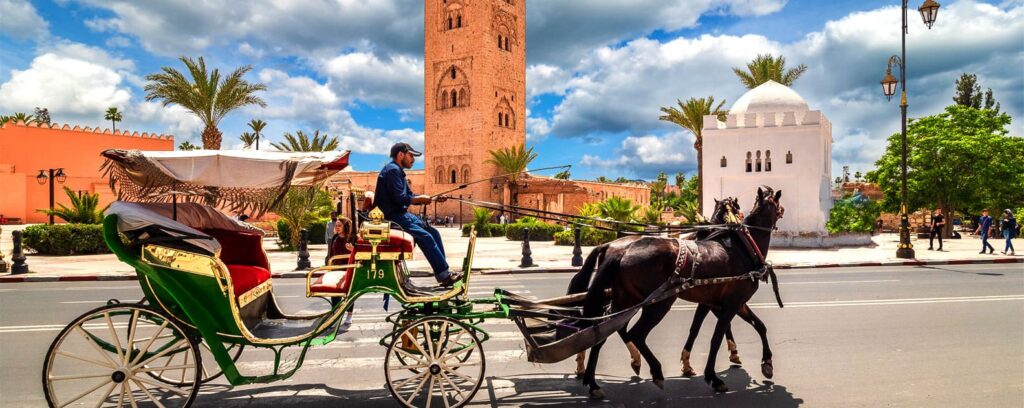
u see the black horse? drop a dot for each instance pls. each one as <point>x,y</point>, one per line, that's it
<point>635,267</point>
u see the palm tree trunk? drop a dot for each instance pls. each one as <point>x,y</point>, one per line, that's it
<point>113,124</point>
<point>211,138</point>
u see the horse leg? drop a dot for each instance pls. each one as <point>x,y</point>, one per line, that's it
<point>649,318</point>
<point>581,367</point>
<point>730,343</point>
<point>634,354</point>
<point>724,318</point>
<point>766,352</point>
<point>698,320</point>
<point>588,376</point>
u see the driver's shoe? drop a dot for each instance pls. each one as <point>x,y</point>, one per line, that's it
<point>453,276</point>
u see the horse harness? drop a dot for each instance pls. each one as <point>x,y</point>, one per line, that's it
<point>689,256</point>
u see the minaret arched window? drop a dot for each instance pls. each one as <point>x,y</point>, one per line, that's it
<point>455,98</point>
<point>724,162</point>
<point>444,99</point>
<point>767,160</point>
<point>453,72</point>
<point>507,48</point>
<point>499,41</point>
<point>507,122</point>
<point>757,165</point>
<point>789,157</point>
<point>439,178</point>
<point>500,123</point>
<point>458,21</point>
<point>749,165</point>
<point>450,25</point>
<point>465,174</point>
<point>454,176</point>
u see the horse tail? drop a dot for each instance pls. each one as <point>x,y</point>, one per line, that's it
<point>775,285</point>
<point>581,280</point>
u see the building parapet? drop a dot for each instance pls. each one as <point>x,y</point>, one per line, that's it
<point>96,130</point>
<point>765,120</point>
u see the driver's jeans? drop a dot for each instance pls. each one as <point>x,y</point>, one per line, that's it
<point>429,241</point>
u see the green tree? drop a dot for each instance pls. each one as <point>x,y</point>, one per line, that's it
<point>114,116</point>
<point>42,115</point>
<point>563,175</point>
<point>690,116</point>
<point>300,142</point>
<point>481,219</point>
<point>961,159</point>
<point>206,94</point>
<point>766,68</point>
<point>853,214</point>
<point>651,215</point>
<point>968,93</point>
<point>617,208</point>
<point>18,117</point>
<point>187,146</point>
<point>248,139</point>
<point>84,209</point>
<point>300,207</point>
<point>602,179</point>
<point>512,161</point>
<point>658,186</point>
<point>257,126</point>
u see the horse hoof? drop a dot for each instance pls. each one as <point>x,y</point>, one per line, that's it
<point>717,384</point>
<point>636,367</point>
<point>688,372</point>
<point>767,370</point>
<point>735,359</point>
<point>660,384</point>
<point>721,388</point>
<point>596,394</point>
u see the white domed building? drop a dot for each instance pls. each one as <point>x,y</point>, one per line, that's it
<point>771,137</point>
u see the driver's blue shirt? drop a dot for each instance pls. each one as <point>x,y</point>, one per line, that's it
<point>392,195</point>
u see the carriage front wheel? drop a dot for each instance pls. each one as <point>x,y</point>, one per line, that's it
<point>105,358</point>
<point>434,361</point>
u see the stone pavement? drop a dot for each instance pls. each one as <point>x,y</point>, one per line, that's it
<point>498,255</point>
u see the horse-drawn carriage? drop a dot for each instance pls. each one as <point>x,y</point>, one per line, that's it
<point>209,296</point>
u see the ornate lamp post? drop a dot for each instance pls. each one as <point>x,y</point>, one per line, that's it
<point>929,11</point>
<point>54,174</point>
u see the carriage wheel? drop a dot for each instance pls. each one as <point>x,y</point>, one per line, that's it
<point>435,361</point>
<point>211,370</point>
<point>104,358</point>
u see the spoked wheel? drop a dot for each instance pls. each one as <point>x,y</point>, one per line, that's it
<point>211,370</point>
<point>105,358</point>
<point>435,361</point>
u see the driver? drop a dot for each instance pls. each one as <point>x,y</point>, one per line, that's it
<point>393,196</point>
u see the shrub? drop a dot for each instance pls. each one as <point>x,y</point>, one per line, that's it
<point>317,229</point>
<point>539,231</point>
<point>489,230</point>
<point>853,214</point>
<point>66,239</point>
<point>588,237</point>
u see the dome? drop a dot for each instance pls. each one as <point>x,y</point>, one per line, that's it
<point>770,96</point>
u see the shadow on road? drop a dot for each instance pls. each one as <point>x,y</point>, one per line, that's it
<point>527,391</point>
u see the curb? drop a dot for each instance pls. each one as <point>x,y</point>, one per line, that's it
<point>30,278</point>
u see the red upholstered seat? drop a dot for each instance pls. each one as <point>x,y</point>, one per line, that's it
<point>332,282</point>
<point>398,241</point>
<point>246,277</point>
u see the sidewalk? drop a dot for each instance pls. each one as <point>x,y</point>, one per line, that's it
<point>498,255</point>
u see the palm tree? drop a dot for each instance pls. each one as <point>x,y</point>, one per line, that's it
<point>512,161</point>
<point>84,209</point>
<point>18,117</point>
<point>114,116</point>
<point>247,139</point>
<point>257,126</point>
<point>207,95</point>
<point>563,175</point>
<point>766,68</point>
<point>617,208</point>
<point>690,116</point>
<point>300,142</point>
<point>186,146</point>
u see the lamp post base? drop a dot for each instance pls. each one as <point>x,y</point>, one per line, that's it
<point>905,253</point>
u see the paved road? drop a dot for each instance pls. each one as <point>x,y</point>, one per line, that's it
<point>853,337</point>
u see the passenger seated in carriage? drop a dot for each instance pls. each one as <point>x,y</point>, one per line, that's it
<point>393,197</point>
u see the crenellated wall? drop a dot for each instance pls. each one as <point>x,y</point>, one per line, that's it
<point>26,149</point>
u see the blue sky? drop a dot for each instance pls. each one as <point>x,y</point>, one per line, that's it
<point>597,70</point>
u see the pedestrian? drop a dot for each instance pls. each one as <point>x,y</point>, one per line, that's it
<point>1009,227</point>
<point>938,222</point>
<point>329,233</point>
<point>984,224</point>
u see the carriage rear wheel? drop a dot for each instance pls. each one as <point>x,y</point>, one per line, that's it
<point>104,358</point>
<point>211,370</point>
<point>434,361</point>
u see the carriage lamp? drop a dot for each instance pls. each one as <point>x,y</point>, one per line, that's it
<point>929,12</point>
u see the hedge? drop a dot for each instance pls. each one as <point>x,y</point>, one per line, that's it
<point>66,239</point>
<point>588,237</point>
<point>539,231</point>
<point>492,230</point>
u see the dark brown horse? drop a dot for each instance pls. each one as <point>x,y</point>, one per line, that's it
<point>635,267</point>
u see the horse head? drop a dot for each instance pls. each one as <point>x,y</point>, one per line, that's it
<point>726,211</point>
<point>767,209</point>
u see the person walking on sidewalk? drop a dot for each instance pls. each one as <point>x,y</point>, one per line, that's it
<point>984,224</point>
<point>938,222</point>
<point>1009,228</point>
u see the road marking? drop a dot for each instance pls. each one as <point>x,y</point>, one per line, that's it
<point>79,302</point>
<point>837,282</point>
<point>498,356</point>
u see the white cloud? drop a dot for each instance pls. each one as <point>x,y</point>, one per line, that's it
<point>364,76</point>
<point>21,21</point>
<point>536,128</point>
<point>118,42</point>
<point>645,156</point>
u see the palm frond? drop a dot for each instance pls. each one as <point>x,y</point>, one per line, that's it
<point>83,210</point>
<point>301,142</point>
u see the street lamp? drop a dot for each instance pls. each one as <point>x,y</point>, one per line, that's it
<point>51,175</point>
<point>929,11</point>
